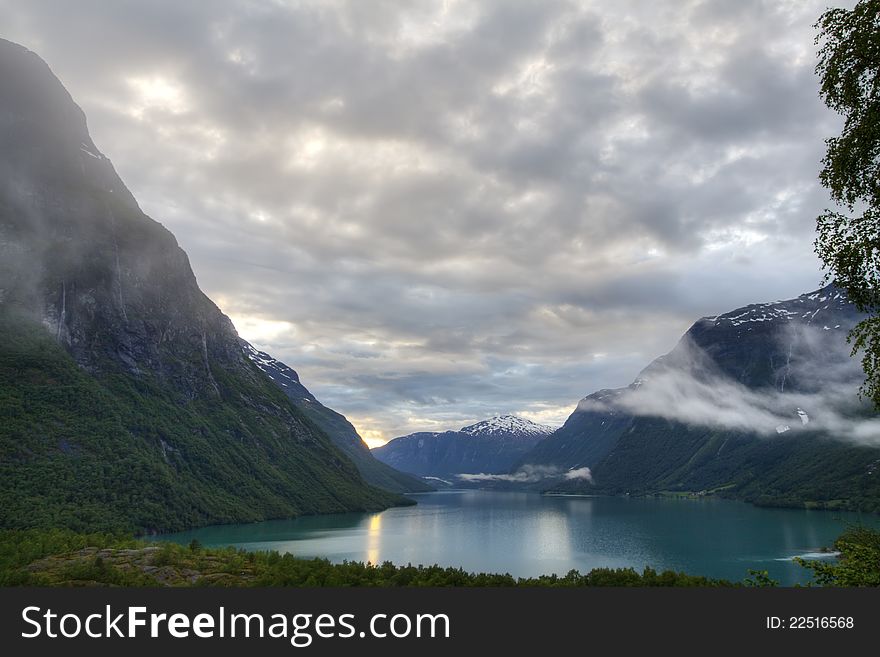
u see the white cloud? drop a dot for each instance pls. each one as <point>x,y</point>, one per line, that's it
<point>579,473</point>
<point>692,391</point>
<point>530,474</point>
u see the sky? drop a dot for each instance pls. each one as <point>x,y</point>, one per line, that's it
<point>439,211</point>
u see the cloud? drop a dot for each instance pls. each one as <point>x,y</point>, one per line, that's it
<point>821,396</point>
<point>460,208</point>
<point>530,474</point>
<point>579,473</point>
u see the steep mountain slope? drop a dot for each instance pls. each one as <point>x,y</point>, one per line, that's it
<point>490,446</point>
<point>127,399</point>
<point>341,431</point>
<point>759,403</point>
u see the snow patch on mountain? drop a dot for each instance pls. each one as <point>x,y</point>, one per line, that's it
<point>806,306</point>
<point>271,366</point>
<point>507,425</point>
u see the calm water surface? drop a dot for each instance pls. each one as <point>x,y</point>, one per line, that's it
<point>527,534</point>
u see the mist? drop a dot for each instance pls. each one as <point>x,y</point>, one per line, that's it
<point>816,392</point>
<point>530,474</point>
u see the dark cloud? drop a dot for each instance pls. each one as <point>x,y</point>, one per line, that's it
<point>440,210</point>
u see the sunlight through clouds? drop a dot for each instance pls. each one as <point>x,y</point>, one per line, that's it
<point>155,93</point>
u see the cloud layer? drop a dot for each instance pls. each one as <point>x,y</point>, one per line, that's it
<point>530,474</point>
<point>436,211</point>
<point>692,391</point>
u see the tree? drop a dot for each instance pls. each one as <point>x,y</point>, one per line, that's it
<point>848,241</point>
<point>858,563</point>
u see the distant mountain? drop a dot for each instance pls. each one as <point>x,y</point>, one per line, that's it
<point>341,431</point>
<point>126,398</point>
<point>490,446</point>
<point>759,404</point>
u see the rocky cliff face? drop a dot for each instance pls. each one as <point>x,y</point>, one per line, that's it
<point>86,276</point>
<point>110,283</point>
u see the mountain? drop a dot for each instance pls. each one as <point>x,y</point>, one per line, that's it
<point>127,399</point>
<point>758,404</point>
<point>340,431</point>
<point>489,447</point>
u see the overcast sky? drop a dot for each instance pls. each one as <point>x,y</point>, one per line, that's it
<point>438,211</point>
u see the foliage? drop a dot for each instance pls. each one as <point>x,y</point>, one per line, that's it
<point>114,452</point>
<point>20,548</point>
<point>760,579</point>
<point>346,438</point>
<point>40,557</point>
<point>848,241</point>
<point>858,563</point>
<point>797,470</point>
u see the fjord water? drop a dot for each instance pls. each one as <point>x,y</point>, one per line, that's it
<point>527,534</point>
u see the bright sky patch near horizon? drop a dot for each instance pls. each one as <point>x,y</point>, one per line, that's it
<point>437,211</point>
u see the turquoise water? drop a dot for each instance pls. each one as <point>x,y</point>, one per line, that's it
<point>527,534</point>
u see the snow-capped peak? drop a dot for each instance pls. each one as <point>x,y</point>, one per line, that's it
<point>507,425</point>
<point>803,309</point>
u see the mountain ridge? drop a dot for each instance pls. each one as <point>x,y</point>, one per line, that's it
<point>335,425</point>
<point>759,403</point>
<point>486,447</point>
<point>127,400</point>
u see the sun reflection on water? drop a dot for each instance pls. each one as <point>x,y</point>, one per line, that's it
<point>374,538</point>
